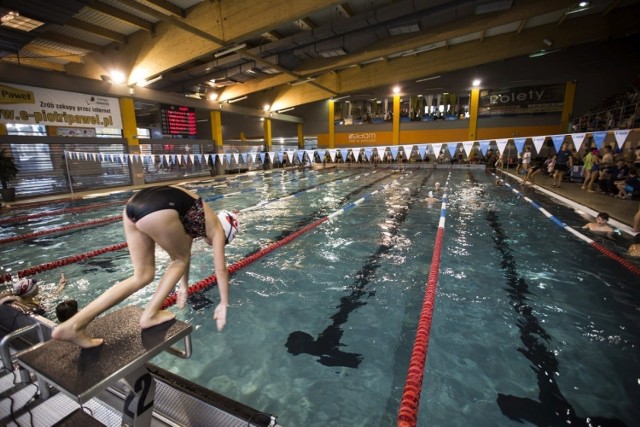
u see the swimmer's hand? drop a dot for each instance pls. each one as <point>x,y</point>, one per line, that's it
<point>220,316</point>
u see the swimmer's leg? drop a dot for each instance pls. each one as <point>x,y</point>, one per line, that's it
<point>142,252</point>
<point>165,228</point>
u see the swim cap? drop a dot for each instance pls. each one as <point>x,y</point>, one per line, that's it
<point>229,222</point>
<point>431,194</point>
<point>25,287</point>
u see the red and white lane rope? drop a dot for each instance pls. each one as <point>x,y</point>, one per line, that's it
<point>27,236</point>
<point>408,411</point>
<point>7,277</point>
<point>27,217</point>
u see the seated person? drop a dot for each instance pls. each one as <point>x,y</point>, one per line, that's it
<point>66,310</point>
<point>600,225</point>
<point>24,295</point>
<point>630,185</point>
<point>634,249</point>
<point>608,179</point>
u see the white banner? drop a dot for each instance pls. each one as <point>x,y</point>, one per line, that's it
<point>47,107</point>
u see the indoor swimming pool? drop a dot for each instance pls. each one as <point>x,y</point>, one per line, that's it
<point>531,326</point>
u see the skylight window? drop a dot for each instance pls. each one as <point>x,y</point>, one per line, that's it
<point>15,20</point>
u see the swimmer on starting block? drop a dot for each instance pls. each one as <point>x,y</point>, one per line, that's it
<point>170,217</point>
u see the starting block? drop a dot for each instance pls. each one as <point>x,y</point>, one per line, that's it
<point>83,373</point>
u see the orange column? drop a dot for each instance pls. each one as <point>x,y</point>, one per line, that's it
<point>474,103</point>
<point>396,120</point>
<point>332,124</point>
<point>130,133</point>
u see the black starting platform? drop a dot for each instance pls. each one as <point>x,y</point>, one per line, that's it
<point>83,373</point>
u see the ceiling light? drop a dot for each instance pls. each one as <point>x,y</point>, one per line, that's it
<point>332,52</point>
<point>231,101</point>
<point>371,61</point>
<point>144,83</point>
<point>427,79</point>
<point>396,89</point>
<point>13,19</point>
<point>212,96</point>
<point>300,82</point>
<point>230,50</point>
<point>476,83</point>
<point>543,52</point>
<point>117,76</point>
<point>404,29</point>
<point>341,98</point>
<point>285,110</point>
<point>266,107</point>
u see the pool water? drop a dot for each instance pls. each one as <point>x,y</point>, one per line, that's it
<point>531,326</point>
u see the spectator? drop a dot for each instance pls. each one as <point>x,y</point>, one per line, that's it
<point>564,163</point>
<point>629,186</point>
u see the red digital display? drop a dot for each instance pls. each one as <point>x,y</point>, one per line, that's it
<point>176,120</point>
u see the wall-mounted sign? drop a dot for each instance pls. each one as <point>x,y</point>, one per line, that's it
<point>521,100</point>
<point>177,120</point>
<point>21,104</point>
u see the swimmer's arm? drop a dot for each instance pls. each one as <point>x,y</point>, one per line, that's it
<point>61,284</point>
<point>222,273</point>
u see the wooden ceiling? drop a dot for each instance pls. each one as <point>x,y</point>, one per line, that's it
<point>285,53</point>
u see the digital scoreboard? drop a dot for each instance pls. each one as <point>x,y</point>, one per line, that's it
<point>177,120</point>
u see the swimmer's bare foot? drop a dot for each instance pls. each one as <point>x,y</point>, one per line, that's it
<point>160,317</point>
<point>68,332</point>
<point>181,297</point>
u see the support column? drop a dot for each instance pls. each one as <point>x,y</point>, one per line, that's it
<point>567,107</point>
<point>300,137</point>
<point>332,124</point>
<point>474,102</point>
<point>396,120</point>
<point>130,133</point>
<point>216,134</point>
<point>267,140</point>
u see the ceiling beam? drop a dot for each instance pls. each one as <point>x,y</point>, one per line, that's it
<point>34,62</point>
<point>95,29</point>
<point>69,41</point>
<point>168,7</point>
<point>121,15</point>
<point>48,52</point>
<point>460,27</point>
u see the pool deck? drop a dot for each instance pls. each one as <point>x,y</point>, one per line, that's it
<point>620,211</point>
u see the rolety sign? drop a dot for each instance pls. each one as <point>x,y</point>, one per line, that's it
<point>47,107</point>
<point>521,100</point>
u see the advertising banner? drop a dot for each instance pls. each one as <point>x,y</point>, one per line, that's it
<point>521,100</point>
<point>47,107</point>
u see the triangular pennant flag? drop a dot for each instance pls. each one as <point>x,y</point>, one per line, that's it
<point>484,146</point>
<point>368,151</point>
<point>193,158</point>
<point>538,141</point>
<point>422,150</point>
<point>501,144</point>
<point>599,137</point>
<point>452,146</point>
<point>243,156</point>
<point>272,155</point>
<point>280,156</point>
<point>557,141</point>
<point>407,150</point>
<point>343,153</point>
<point>227,157</point>
<point>468,145</point>
<point>394,152</point>
<point>236,157</point>
<point>436,148</point>
<point>621,137</point>
<point>300,156</point>
<point>310,155</point>
<point>332,155</point>
<point>262,156</point>
<point>578,139</point>
<point>519,142</point>
<point>290,155</point>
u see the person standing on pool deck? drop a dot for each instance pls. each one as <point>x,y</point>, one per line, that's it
<point>564,163</point>
<point>170,217</point>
